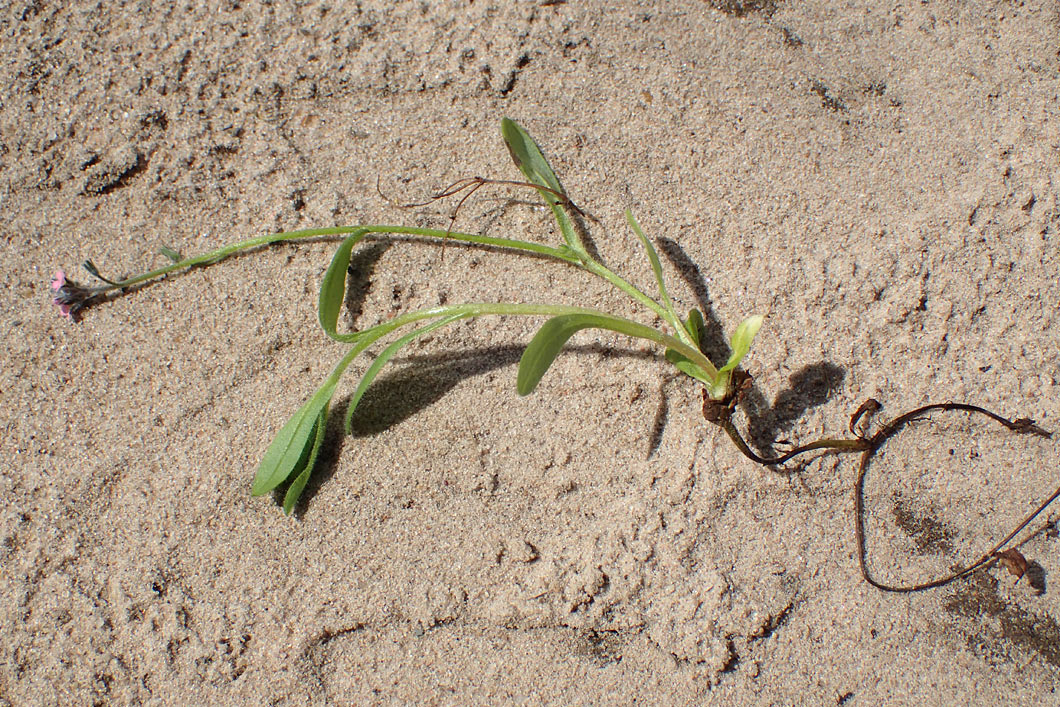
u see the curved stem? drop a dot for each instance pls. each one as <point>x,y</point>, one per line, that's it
<point>720,413</point>
<point>837,446</point>
<point>1020,426</point>
<point>224,252</point>
<point>564,254</point>
<point>638,296</point>
<point>617,324</point>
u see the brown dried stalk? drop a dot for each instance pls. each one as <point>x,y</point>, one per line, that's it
<point>720,413</point>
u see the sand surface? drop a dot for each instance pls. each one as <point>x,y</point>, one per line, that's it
<point>881,178</point>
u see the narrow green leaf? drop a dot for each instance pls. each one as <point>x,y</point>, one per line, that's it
<point>544,347</point>
<point>333,289</point>
<point>173,255</point>
<point>532,163</point>
<point>308,461</point>
<point>529,159</point>
<point>656,267</point>
<point>94,272</point>
<point>695,325</point>
<point>550,338</point>
<point>741,345</point>
<point>289,447</point>
<point>683,364</point>
<point>741,341</point>
<point>386,355</point>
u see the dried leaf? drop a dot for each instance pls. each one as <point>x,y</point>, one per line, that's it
<point>869,407</point>
<point>1014,561</point>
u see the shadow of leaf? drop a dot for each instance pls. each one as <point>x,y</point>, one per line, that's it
<point>359,277</point>
<point>401,393</point>
<point>1036,577</point>
<point>425,380</point>
<point>809,387</point>
<point>658,425</point>
<point>714,343</point>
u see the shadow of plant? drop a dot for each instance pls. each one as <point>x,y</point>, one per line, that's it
<point>400,394</point>
<point>1013,626</point>
<point>359,278</point>
<point>809,387</point>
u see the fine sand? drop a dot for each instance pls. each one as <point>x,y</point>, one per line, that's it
<point>881,179</point>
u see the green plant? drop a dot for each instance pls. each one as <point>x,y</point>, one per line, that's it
<point>293,452</point>
<point>292,455</point>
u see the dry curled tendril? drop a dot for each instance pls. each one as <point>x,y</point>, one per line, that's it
<point>720,412</point>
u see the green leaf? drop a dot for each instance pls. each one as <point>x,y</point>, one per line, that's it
<point>333,289</point>
<point>549,340</point>
<point>695,325</point>
<point>173,255</point>
<point>386,355</point>
<point>656,267</point>
<point>741,345</point>
<point>545,346</point>
<point>306,463</point>
<point>288,448</point>
<point>293,443</point>
<point>683,364</point>
<point>529,159</point>
<point>741,341</point>
<point>532,163</point>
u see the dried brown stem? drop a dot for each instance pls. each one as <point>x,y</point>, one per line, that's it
<point>1019,426</point>
<point>720,413</point>
<point>472,184</point>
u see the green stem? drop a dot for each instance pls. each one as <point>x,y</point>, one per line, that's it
<point>639,296</point>
<point>617,324</point>
<point>565,254</point>
<point>221,253</point>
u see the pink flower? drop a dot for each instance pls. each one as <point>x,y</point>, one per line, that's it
<point>69,296</point>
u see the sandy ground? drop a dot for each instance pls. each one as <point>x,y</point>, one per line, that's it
<point>880,178</point>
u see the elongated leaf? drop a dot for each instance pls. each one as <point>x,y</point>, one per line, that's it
<point>306,463</point>
<point>532,163</point>
<point>170,253</point>
<point>656,267</point>
<point>683,364</point>
<point>295,447</point>
<point>549,340</point>
<point>289,447</point>
<point>741,345</point>
<point>386,355</point>
<point>695,326</point>
<point>528,158</point>
<point>333,289</point>
<point>741,341</point>
<point>285,452</point>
